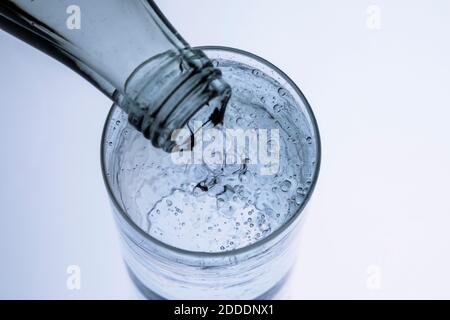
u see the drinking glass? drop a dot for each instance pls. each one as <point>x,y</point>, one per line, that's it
<point>255,271</point>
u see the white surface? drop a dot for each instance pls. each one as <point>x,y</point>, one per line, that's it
<point>382,101</point>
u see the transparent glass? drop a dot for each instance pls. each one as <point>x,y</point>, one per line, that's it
<point>129,51</point>
<point>255,271</point>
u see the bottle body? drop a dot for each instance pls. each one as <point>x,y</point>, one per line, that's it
<point>120,47</point>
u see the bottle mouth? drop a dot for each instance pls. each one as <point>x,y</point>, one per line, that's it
<point>167,91</point>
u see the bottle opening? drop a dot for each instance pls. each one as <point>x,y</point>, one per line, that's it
<point>171,89</point>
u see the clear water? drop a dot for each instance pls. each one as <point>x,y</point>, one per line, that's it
<point>215,207</point>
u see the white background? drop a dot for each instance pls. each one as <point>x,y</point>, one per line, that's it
<point>379,223</point>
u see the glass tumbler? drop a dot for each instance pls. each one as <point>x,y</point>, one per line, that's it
<point>255,271</point>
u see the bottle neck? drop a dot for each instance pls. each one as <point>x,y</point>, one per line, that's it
<point>130,52</point>
<point>171,89</point>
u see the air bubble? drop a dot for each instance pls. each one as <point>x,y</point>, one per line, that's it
<point>282,92</point>
<point>264,227</point>
<point>285,185</point>
<point>277,108</point>
<point>256,72</point>
<point>299,199</point>
<point>178,210</point>
<point>300,191</point>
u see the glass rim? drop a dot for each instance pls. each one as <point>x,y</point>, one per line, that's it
<point>256,244</point>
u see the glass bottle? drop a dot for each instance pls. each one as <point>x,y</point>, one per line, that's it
<point>129,51</point>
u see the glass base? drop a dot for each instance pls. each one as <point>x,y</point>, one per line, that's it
<point>276,292</point>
